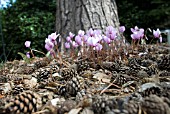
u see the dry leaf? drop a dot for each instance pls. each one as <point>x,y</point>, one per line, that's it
<point>31,83</point>
<point>102,77</point>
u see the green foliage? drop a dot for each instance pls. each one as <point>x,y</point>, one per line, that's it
<point>144,13</point>
<point>25,58</point>
<point>27,20</point>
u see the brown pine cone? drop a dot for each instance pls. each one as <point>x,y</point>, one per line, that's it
<point>134,66</point>
<point>132,107</point>
<point>17,89</point>
<point>43,75</point>
<point>121,79</point>
<point>164,73</point>
<point>26,102</point>
<point>155,105</point>
<point>102,105</point>
<point>152,91</point>
<point>146,62</point>
<point>82,65</point>
<point>149,89</point>
<point>152,70</point>
<point>111,66</point>
<point>40,63</point>
<point>73,86</point>
<point>164,62</point>
<point>123,70</point>
<point>82,94</point>
<point>68,73</point>
<point>66,106</point>
<point>134,63</point>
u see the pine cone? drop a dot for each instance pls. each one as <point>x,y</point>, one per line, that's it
<point>26,102</point>
<point>111,66</point>
<point>53,68</point>
<point>73,86</point>
<point>149,89</point>
<point>66,106</point>
<point>164,73</point>
<point>155,105</point>
<point>152,70</point>
<point>82,65</point>
<point>81,94</point>
<point>146,63</point>
<point>68,73</point>
<point>166,89</point>
<point>121,79</point>
<point>103,105</point>
<point>164,62</point>
<point>123,70</point>
<point>134,63</point>
<point>132,107</point>
<point>152,91</point>
<point>40,63</point>
<point>42,74</point>
<point>17,89</point>
<point>62,90</point>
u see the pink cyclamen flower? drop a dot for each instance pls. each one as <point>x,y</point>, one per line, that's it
<point>28,54</point>
<point>156,33</point>
<point>98,47</point>
<point>121,29</point>
<point>137,33</point>
<point>111,32</point>
<point>53,37</point>
<point>49,45</point>
<point>67,45</point>
<point>81,33</point>
<point>90,32</point>
<point>68,38</point>
<point>78,40</point>
<point>71,35</point>
<point>74,44</point>
<point>92,41</point>
<point>134,29</point>
<point>135,36</point>
<point>27,44</point>
<point>107,40</point>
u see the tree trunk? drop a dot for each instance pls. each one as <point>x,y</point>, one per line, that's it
<point>73,15</point>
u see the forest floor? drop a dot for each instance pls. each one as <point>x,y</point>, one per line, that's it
<point>139,84</point>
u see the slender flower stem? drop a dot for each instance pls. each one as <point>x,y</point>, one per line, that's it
<point>32,53</point>
<point>38,51</point>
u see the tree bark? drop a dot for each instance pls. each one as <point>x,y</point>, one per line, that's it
<point>73,15</point>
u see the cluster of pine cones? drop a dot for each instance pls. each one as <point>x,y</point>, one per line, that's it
<point>138,85</point>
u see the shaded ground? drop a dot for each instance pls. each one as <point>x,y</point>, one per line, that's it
<point>136,84</point>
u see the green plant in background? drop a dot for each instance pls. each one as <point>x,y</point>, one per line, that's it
<point>32,20</point>
<point>144,13</point>
<point>27,20</point>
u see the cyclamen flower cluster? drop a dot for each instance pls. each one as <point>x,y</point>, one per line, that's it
<point>92,38</point>
<point>137,33</point>
<point>50,42</point>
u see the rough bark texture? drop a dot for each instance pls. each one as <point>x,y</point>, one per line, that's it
<point>73,15</point>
